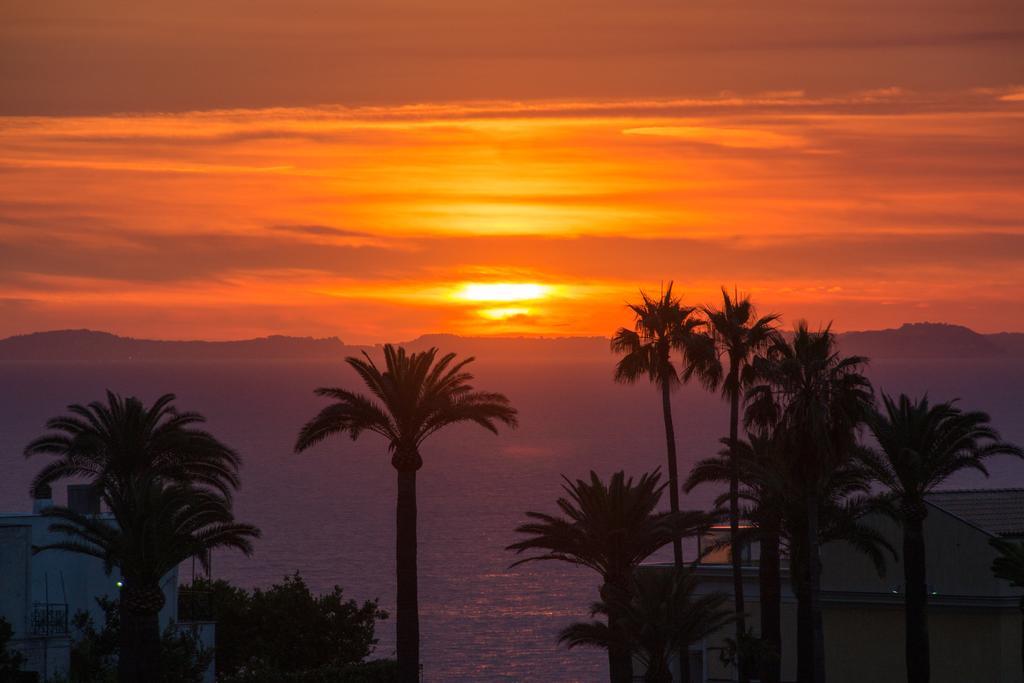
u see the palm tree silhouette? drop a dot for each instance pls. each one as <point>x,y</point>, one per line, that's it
<point>610,528</point>
<point>1009,566</point>
<point>778,518</point>
<point>157,526</point>
<point>919,446</point>
<point>658,615</point>
<point>661,326</point>
<point>817,399</point>
<point>737,334</point>
<point>759,470</point>
<point>111,443</point>
<point>412,398</point>
<point>122,447</point>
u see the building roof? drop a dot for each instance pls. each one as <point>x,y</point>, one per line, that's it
<point>997,511</point>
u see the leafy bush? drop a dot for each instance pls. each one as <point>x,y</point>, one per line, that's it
<point>376,671</point>
<point>285,628</point>
<point>10,660</point>
<point>94,651</point>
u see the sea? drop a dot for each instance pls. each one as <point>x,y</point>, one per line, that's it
<point>329,513</point>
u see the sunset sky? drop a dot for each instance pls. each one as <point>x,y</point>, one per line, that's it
<point>379,170</point>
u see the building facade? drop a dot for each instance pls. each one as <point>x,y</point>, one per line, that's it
<point>974,619</point>
<point>43,591</point>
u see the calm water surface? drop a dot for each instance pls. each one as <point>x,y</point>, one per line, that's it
<point>329,513</point>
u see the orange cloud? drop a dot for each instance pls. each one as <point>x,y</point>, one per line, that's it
<point>512,218</point>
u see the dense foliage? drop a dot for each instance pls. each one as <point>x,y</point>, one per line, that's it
<point>10,661</point>
<point>94,652</point>
<point>286,629</point>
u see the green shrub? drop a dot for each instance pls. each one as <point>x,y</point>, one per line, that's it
<point>376,671</point>
<point>10,660</point>
<point>183,659</point>
<point>285,628</point>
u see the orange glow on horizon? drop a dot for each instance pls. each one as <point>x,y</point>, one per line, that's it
<point>498,218</point>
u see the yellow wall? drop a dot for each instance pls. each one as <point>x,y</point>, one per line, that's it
<point>866,643</point>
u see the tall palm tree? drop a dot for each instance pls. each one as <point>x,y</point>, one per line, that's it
<point>110,443</point>
<point>659,615</point>
<point>738,334</point>
<point>761,477</point>
<point>919,446</point>
<point>662,327</point>
<point>116,445</point>
<point>610,528</point>
<point>817,399</point>
<point>1009,566</point>
<point>156,526</point>
<point>414,396</point>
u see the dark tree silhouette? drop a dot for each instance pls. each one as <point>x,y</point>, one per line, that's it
<point>817,399</point>
<point>412,398</point>
<point>156,527</point>
<point>610,528</point>
<point>758,466</point>
<point>110,443</point>
<point>658,616</point>
<point>1009,566</point>
<point>919,446</point>
<point>737,334</point>
<point>131,453</point>
<point>662,327</point>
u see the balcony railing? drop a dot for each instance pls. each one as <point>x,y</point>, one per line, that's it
<point>49,619</point>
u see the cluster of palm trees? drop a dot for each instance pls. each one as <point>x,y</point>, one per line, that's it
<point>803,476</point>
<point>168,485</point>
<point>819,455</point>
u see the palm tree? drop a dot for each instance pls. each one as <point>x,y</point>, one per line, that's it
<point>919,446</point>
<point>774,497</point>
<point>818,399</point>
<point>661,327</point>
<point>658,616</point>
<point>116,445</point>
<point>737,334</point>
<point>110,443</point>
<point>1009,566</point>
<point>610,528</point>
<point>762,489</point>
<point>156,526</point>
<point>412,398</point>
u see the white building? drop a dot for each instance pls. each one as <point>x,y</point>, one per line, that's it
<point>40,593</point>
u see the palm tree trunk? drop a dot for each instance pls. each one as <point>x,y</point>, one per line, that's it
<point>620,661</point>
<point>769,578</point>
<point>736,553</point>
<point>408,626</point>
<point>139,654</point>
<point>916,582</point>
<point>1020,605</point>
<point>673,469</point>
<point>673,494</point>
<point>817,636</point>
<point>804,628</point>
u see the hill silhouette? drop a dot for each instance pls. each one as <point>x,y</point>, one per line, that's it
<point>89,345</point>
<point>930,340</point>
<point>912,340</point>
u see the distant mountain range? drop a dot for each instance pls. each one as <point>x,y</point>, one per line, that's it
<point>912,340</point>
<point>932,340</point>
<point>88,345</point>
